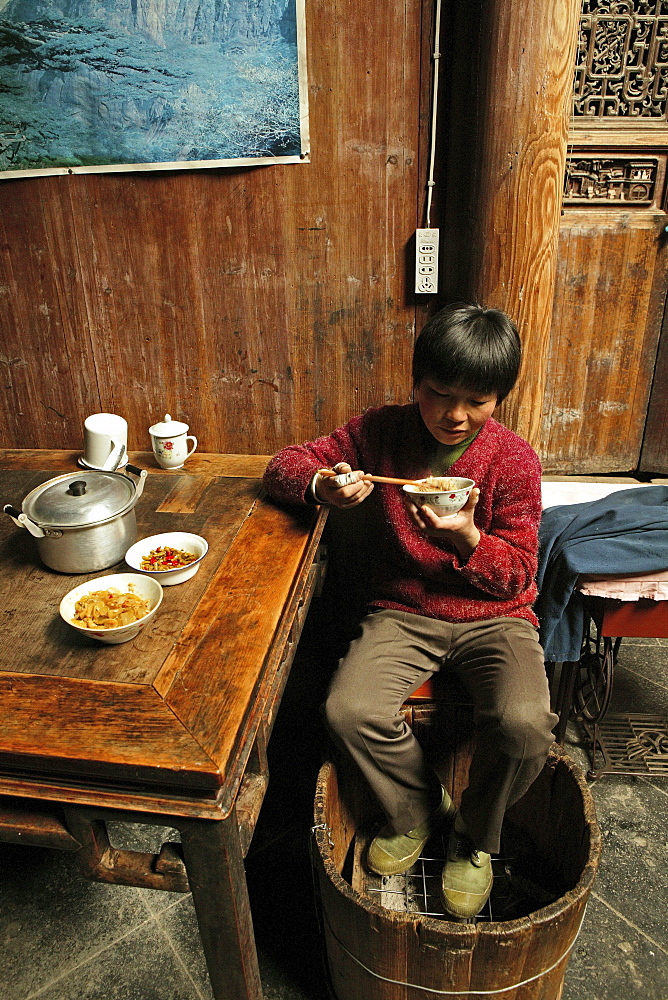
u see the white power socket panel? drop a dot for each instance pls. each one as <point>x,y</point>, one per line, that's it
<point>426,261</point>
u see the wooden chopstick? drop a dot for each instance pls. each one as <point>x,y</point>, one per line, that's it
<point>374,479</point>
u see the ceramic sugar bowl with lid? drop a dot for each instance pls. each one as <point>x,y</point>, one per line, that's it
<point>169,440</point>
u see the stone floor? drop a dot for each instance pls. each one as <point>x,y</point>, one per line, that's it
<point>622,951</point>
<point>62,938</point>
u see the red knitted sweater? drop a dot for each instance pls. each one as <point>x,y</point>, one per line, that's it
<point>416,573</point>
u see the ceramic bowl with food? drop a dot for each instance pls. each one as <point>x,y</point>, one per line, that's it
<point>444,494</point>
<point>128,599</point>
<point>171,557</point>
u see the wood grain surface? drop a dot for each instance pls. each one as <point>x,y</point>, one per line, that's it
<point>83,729</point>
<point>180,707</point>
<point>371,945</point>
<point>654,456</point>
<point>507,176</point>
<point>37,640</point>
<point>224,653</point>
<point>201,463</point>
<point>266,305</point>
<point>262,305</point>
<point>603,341</point>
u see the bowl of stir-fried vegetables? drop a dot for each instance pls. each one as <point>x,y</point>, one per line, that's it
<point>171,557</point>
<point>112,608</point>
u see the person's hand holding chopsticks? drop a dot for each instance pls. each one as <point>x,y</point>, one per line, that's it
<point>340,486</point>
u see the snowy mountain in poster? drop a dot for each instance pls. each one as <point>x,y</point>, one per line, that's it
<point>91,82</point>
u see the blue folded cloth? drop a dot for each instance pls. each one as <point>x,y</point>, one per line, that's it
<point>626,532</point>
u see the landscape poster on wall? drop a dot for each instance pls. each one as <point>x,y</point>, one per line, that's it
<point>89,86</point>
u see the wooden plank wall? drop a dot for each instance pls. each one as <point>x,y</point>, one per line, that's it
<point>261,305</point>
<point>608,308</point>
<point>655,443</point>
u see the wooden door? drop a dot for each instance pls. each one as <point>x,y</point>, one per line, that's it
<point>654,456</point>
<point>599,403</point>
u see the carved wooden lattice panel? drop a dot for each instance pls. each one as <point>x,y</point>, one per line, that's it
<point>602,180</point>
<point>613,254</point>
<point>621,66</point>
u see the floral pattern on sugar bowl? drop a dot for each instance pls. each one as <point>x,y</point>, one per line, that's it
<point>169,440</point>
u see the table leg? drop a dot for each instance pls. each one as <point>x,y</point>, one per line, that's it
<point>215,866</point>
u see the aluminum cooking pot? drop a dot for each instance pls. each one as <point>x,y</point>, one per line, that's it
<point>83,523</point>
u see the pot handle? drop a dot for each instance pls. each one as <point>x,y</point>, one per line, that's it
<point>141,474</point>
<point>19,518</point>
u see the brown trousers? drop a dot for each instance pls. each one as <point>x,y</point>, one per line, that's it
<point>499,662</point>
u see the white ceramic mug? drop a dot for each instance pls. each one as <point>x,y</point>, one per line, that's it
<point>105,441</point>
<point>169,439</point>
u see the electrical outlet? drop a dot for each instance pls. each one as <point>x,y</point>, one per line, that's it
<point>426,261</point>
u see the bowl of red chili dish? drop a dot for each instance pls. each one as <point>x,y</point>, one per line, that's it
<point>171,557</point>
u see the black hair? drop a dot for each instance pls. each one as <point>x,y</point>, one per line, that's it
<point>469,346</point>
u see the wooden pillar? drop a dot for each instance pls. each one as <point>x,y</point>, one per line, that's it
<point>508,137</point>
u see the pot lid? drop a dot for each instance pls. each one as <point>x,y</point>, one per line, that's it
<point>72,501</point>
<point>168,428</point>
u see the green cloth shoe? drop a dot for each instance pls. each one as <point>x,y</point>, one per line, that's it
<point>467,877</point>
<point>394,853</point>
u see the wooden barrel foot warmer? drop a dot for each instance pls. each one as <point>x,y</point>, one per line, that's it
<point>385,938</point>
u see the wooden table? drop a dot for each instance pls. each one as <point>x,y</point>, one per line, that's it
<point>170,728</point>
